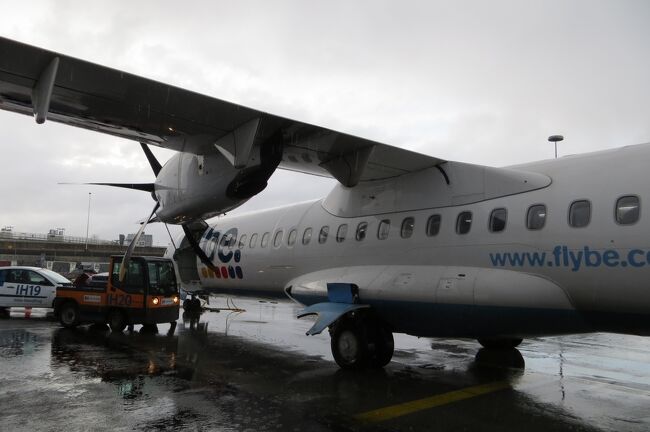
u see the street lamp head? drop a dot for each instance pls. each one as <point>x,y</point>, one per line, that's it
<point>555,138</point>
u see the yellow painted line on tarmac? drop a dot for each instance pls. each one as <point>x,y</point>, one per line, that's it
<point>393,411</point>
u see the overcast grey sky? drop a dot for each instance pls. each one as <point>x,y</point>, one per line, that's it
<point>475,81</point>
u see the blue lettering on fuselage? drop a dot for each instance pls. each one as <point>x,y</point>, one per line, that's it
<point>573,259</point>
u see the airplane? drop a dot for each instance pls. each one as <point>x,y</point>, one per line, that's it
<point>404,243</point>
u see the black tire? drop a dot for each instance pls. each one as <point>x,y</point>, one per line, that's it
<point>149,329</point>
<point>187,304</point>
<point>196,305</point>
<point>349,345</point>
<point>383,345</point>
<point>117,321</point>
<point>500,343</point>
<point>69,315</point>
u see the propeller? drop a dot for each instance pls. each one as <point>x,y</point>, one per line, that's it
<point>146,187</point>
<point>150,187</point>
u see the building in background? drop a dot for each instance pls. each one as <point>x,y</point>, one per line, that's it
<point>146,240</point>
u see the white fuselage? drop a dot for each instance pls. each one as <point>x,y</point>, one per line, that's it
<point>518,281</point>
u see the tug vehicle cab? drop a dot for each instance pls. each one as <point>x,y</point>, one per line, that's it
<point>148,295</point>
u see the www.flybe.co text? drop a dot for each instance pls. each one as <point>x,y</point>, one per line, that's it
<point>574,259</point>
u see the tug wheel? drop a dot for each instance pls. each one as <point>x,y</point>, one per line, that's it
<point>116,321</point>
<point>69,315</point>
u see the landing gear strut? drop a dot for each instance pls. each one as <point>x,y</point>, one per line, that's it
<point>192,305</point>
<point>360,340</point>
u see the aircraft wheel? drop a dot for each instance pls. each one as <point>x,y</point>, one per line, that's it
<point>117,321</point>
<point>69,315</point>
<point>383,346</point>
<point>187,304</point>
<point>500,344</point>
<point>4,312</point>
<point>349,345</point>
<point>149,329</point>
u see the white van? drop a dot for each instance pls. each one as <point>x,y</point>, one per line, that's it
<point>29,286</point>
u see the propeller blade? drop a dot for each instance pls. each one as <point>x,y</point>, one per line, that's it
<point>131,248</point>
<point>146,187</point>
<point>197,249</point>
<point>155,165</point>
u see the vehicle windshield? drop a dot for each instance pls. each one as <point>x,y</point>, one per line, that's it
<point>54,276</point>
<point>162,279</point>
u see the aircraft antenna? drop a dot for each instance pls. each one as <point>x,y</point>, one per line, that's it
<point>555,139</point>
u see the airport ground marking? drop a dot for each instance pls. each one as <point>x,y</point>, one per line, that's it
<point>393,411</point>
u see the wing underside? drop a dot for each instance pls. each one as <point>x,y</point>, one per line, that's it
<point>55,87</point>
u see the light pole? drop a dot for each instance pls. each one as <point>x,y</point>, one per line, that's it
<point>555,139</point>
<point>88,220</point>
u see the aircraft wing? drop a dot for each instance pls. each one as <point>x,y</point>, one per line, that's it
<point>55,87</point>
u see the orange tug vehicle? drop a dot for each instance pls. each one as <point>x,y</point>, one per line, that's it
<point>148,295</point>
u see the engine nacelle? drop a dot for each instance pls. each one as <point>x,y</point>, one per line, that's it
<point>191,186</point>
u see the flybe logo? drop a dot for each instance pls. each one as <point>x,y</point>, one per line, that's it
<point>221,250</point>
<point>574,259</point>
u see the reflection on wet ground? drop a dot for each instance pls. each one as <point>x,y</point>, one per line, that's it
<point>256,370</point>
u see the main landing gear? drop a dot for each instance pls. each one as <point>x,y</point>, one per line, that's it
<point>359,340</point>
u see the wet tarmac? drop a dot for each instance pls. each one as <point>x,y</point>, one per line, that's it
<point>257,371</point>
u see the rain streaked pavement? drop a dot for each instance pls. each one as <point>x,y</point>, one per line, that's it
<point>256,370</point>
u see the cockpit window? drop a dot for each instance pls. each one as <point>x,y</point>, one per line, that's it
<point>627,210</point>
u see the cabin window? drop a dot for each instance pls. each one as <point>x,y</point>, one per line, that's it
<point>579,213</point>
<point>384,229</point>
<point>627,210</point>
<point>536,217</point>
<point>291,240</point>
<point>242,240</point>
<point>265,240</point>
<point>433,225</point>
<point>464,222</point>
<point>306,236</point>
<point>407,227</point>
<point>322,235</point>
<point>277,240</point>
<point>362,228</point>
<point>498,219</point>
<point>341,233</point>
<point>253,242</point>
